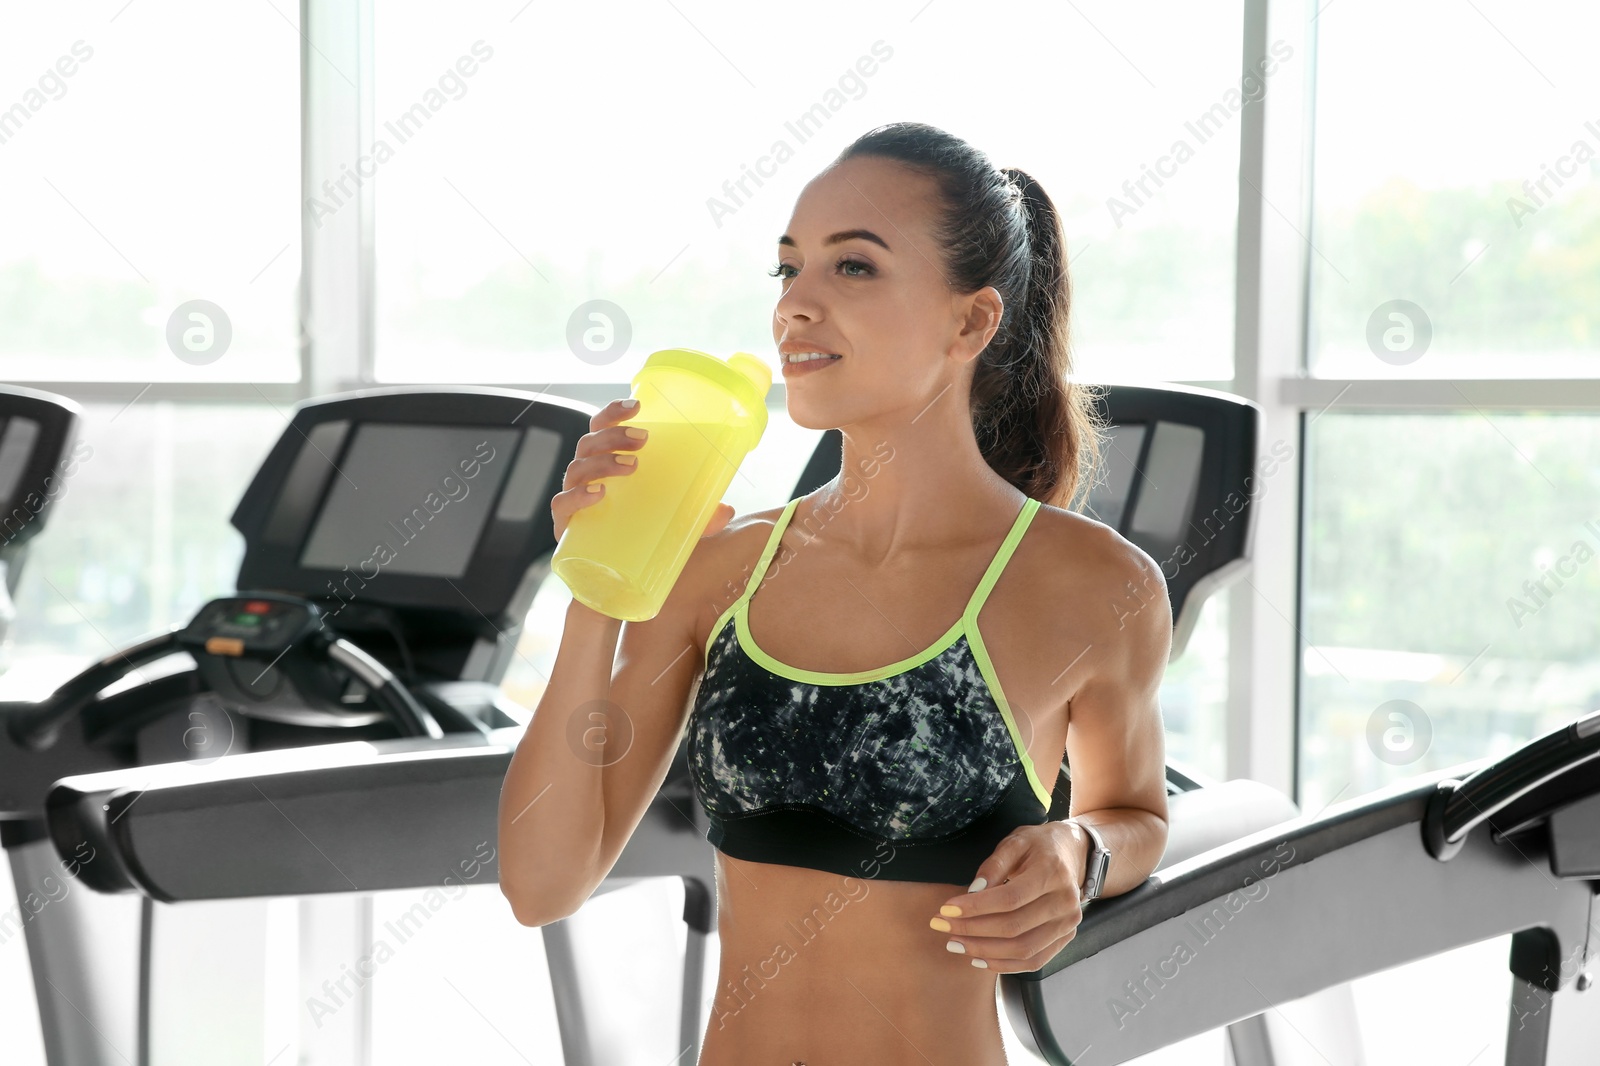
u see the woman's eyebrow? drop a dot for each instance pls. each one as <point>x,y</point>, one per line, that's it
<point>844,235</point>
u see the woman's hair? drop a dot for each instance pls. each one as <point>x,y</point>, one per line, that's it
<point>1035,428</point>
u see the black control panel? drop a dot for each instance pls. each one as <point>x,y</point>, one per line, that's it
<point>252,626</point>
<point>264,653</point>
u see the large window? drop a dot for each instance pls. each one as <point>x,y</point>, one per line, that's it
<point>150,167</point>
<point>139,539</point>
<point>1457,211</point>
<point>1452,591</point>
<point>1448,577</point>
<point>152,179</point>
<point>1447,613</point>
<point>547,213</point>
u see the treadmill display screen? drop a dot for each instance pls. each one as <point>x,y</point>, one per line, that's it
<point>1170,479</point>
<point>410,499</point>
<point>1109,496</point>
<point>17,441</point>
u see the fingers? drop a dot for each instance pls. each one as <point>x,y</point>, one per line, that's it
<point>1016,923</point>
<point>605,451</point>
<point>611,414</point>
<point>608,450</point>
<point>1027,865</point>
<point>597,453</point>
<point>1009,894</point>
<point>719,520</point>
<point>606,437</point>
<point>995,963</point>
<point>1006,924</point>
<point>1017,941</point>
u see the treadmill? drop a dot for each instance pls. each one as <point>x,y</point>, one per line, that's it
<point>394,542</point>
<point>1485,849</point>
<point>39,455</point>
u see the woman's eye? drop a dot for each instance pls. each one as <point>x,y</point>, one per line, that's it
<point>778,270</point>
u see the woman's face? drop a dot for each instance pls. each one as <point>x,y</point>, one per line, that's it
<point>877,297</point>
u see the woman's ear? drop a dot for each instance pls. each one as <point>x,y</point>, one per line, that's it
<point>980,320</point>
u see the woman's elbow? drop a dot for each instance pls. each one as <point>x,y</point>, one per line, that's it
<point>530,906</point>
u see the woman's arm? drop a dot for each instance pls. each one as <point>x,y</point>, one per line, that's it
<point>1115,739</point>
<point>1024,905</point>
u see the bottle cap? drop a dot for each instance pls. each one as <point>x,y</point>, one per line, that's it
<point>759,373</point>
<point>748,378</point>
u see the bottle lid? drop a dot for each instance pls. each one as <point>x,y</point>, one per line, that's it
<point>744,375</point>
<point>757,370</point>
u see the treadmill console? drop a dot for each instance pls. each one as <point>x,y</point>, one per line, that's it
<point>251,626</point>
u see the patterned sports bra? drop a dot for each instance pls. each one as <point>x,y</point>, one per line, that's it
<point>913,771</point>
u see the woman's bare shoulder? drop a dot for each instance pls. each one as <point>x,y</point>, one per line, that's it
<point>721,563</point>
<point>1091,556</point>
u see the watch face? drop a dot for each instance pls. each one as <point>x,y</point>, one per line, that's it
<point>1099,863</point>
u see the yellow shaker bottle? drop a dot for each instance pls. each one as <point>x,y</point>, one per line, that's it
<point>622,556</point>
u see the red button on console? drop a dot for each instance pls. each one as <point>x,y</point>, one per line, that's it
<point>257,607</point>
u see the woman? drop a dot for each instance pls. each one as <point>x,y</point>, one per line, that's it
<point>883,852</point>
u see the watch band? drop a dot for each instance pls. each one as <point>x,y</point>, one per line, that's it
<point>1096,864</point>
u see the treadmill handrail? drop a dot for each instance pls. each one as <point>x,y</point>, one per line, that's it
<point>1481,795</point>
<point>36,727</point>
<point>386,689</point>
<point>1234,866</point>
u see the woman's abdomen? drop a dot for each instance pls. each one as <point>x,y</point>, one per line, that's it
<point>833,971</point>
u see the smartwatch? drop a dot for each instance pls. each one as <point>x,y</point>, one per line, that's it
<point>1097,863</point>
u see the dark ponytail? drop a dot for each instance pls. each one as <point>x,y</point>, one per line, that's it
<point>997,227</point>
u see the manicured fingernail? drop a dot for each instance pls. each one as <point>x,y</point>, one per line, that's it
<point>950,912</point>
<point>630,403</point>
<point>593,487</point>
<point>636,433</point>
<point>979,885</point>
<point>980,963</point>
<point>939,924</point>
<point>951,945</point>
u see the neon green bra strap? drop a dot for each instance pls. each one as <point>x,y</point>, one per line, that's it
<point>756,576</point>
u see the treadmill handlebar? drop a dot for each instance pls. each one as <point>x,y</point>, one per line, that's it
<point>1460,806</point>
<point>412,717</point>
<point>35,726</point>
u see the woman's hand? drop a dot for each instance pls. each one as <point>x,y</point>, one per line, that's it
<point>1028,908</point>
<point>596,457</point>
